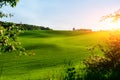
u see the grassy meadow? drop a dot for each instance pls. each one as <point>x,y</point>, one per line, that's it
<point>48,52</point>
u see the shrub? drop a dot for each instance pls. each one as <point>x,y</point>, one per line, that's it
<point>72,72</point>
<point>8,39</point>
<point>108,66</point>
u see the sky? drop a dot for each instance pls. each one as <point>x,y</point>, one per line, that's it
<point>62,14</point>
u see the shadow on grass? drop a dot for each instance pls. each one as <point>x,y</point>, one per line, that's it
<point>38,34</point>
<point>42,46</point>
<point>47,34</point>
<point>39,64</point>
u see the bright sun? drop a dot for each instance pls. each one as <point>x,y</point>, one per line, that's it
<point>110,25</point>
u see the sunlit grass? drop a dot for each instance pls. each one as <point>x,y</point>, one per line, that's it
<point>52,49</point>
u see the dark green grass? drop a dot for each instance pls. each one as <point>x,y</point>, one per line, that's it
<point>52,49</point>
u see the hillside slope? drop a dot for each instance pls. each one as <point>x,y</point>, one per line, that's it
<point>51,48</point>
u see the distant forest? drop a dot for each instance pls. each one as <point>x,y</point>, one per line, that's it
<point>23,26</point>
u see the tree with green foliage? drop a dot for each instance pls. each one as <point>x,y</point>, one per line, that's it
<point>11,3</point>
<point>8,35</point>
<point>8,39</point>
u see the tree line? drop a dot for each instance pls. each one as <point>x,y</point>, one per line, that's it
<point>24,26</point>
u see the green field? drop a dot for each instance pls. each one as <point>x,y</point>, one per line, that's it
<point>52,49</point>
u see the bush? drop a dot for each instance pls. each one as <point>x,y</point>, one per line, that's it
<point>108,66</point>
<point>72,72</point>
<point>8,39</point>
